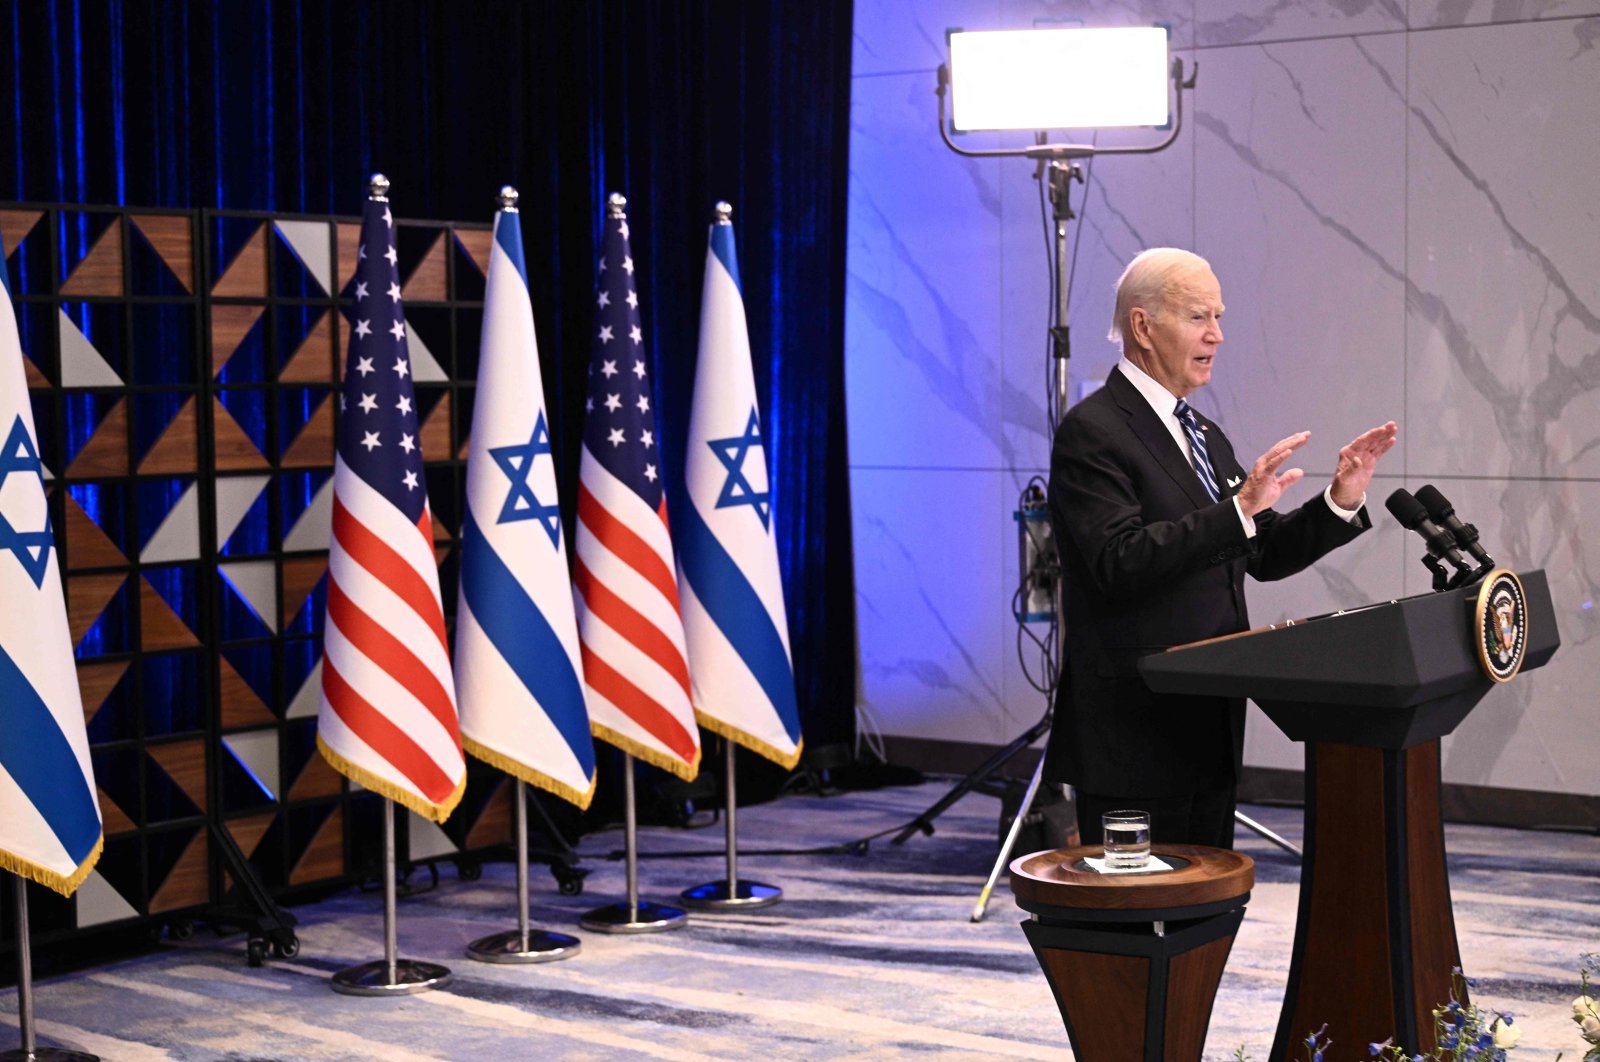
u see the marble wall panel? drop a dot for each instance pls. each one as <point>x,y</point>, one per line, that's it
<point>895,36</point>
<point>1300,207</point>
<point>1503,294</point>
<point>1220,22</point>
<point>922,293</point>
<point>1425,14</point>
<point>931,611</point>
<point>1538,731</point>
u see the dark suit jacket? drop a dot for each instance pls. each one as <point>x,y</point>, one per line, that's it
<point>1149,561</point>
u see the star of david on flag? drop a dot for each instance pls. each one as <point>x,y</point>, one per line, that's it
<point>737,488</point>
<point>733,611</point>
<point>387,718</point>
<point>519,677</point>
<point>634,660</point>
<point>50,829</point>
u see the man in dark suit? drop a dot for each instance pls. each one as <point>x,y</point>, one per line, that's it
<point>1157,523</point>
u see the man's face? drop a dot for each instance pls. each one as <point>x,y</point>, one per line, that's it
<point>1179,342</point>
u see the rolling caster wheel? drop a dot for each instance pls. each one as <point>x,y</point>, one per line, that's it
<point>469,871</point>
<point>255,952</point>
<point>286,947</point>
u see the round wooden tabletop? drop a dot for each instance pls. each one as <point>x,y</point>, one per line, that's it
<point>1060,879</point>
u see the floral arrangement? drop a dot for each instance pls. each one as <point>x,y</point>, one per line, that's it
<point>1586,1010</point>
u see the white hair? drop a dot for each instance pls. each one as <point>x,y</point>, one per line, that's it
<point>1146,283</point>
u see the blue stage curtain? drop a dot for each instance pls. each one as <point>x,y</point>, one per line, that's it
<point>287,105</point>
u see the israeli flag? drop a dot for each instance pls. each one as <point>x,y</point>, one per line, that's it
<point>519,681</point>
<point>741,677</point>
<point>49,815</point>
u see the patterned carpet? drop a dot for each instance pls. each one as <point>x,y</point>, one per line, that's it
<point>869,957</point>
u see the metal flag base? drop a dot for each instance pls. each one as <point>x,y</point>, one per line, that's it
<point>389,976</point>
<point>731,893</point>
<point>514,946</point>
<point>633,915</point>
<point>375,978</point>
<point>30,1051</point>
<point>743,896</point>
<point>523,944</point>
<point>645,917</point>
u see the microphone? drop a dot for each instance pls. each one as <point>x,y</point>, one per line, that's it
<point>1441,543</point>
<point>1444,514</point>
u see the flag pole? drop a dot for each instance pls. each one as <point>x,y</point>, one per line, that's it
<point>635,915</point>
<point>731,894</point>
<point>30,1051</point>
<point>391,975</point>
<point>523,945</point>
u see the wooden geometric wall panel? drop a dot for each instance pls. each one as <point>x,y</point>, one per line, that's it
<point>36,379</point>
<point>313,447</point>
<point>15,226</point>
<point>87,545</point>
<point>185,763</point>
<point>435,431</point>
<point>188,883</point>
<point>159,626</point>
<point>346,239</point>
<point>429,282</point>
<point>87,597</point>
<point>177,450</point>
<point>106,452</point>
<point>96,681</point>
<point>115,819</point>
<point>312,361</point>
<point>247,832</point>
<point>494,825</point>
<point>317,779</point>
<point>324,856</point>
<point>229,327</point>
<point>172,238</point>
<point>246,275</point>
<point>478,243</point>
<point>300,576</point>
<point>241,706</point>
<point>100,272</point>
<point>234,449</point>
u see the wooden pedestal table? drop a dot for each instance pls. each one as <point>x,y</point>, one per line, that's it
<point>1134,959</point>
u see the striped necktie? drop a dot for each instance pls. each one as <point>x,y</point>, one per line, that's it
<point>1197,446</point>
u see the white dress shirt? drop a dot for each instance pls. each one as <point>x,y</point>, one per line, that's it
<point>1165,405</point>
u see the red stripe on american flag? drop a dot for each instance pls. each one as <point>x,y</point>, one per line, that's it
<point>391,654</point>
<point>388,567</point>
<point>643,709</point>
<point>384,737</point>
<point>632,625</point>
<point>621,540</point>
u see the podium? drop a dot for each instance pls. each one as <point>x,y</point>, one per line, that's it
<point>1370,691</point>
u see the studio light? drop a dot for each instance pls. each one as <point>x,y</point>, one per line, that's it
<point>1059,78</point>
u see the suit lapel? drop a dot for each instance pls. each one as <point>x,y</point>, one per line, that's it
<point>1148,427</point>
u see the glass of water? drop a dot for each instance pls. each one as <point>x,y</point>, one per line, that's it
<point>1127,838</point>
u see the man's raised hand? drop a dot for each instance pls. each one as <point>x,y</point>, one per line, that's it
<point>1265,484</point>
<point>1358,461</point>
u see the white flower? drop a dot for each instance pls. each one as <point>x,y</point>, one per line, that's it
<point>1591,1029</point>
<point>1506,1034</point>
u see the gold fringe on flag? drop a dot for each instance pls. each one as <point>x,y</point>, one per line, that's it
<point>670,764</point>
<point>383,787</point>
<point>535,778</point>
<point>65,884</point>
<point>756,745</point>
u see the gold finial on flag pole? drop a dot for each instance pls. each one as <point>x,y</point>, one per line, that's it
<point>508,199</point>
<point>378,185</point>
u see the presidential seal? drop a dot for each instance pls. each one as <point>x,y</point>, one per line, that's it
<point>1500,624</point>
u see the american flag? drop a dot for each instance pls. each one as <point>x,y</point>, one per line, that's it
<point>388,713</point>
<point>628,621</point>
